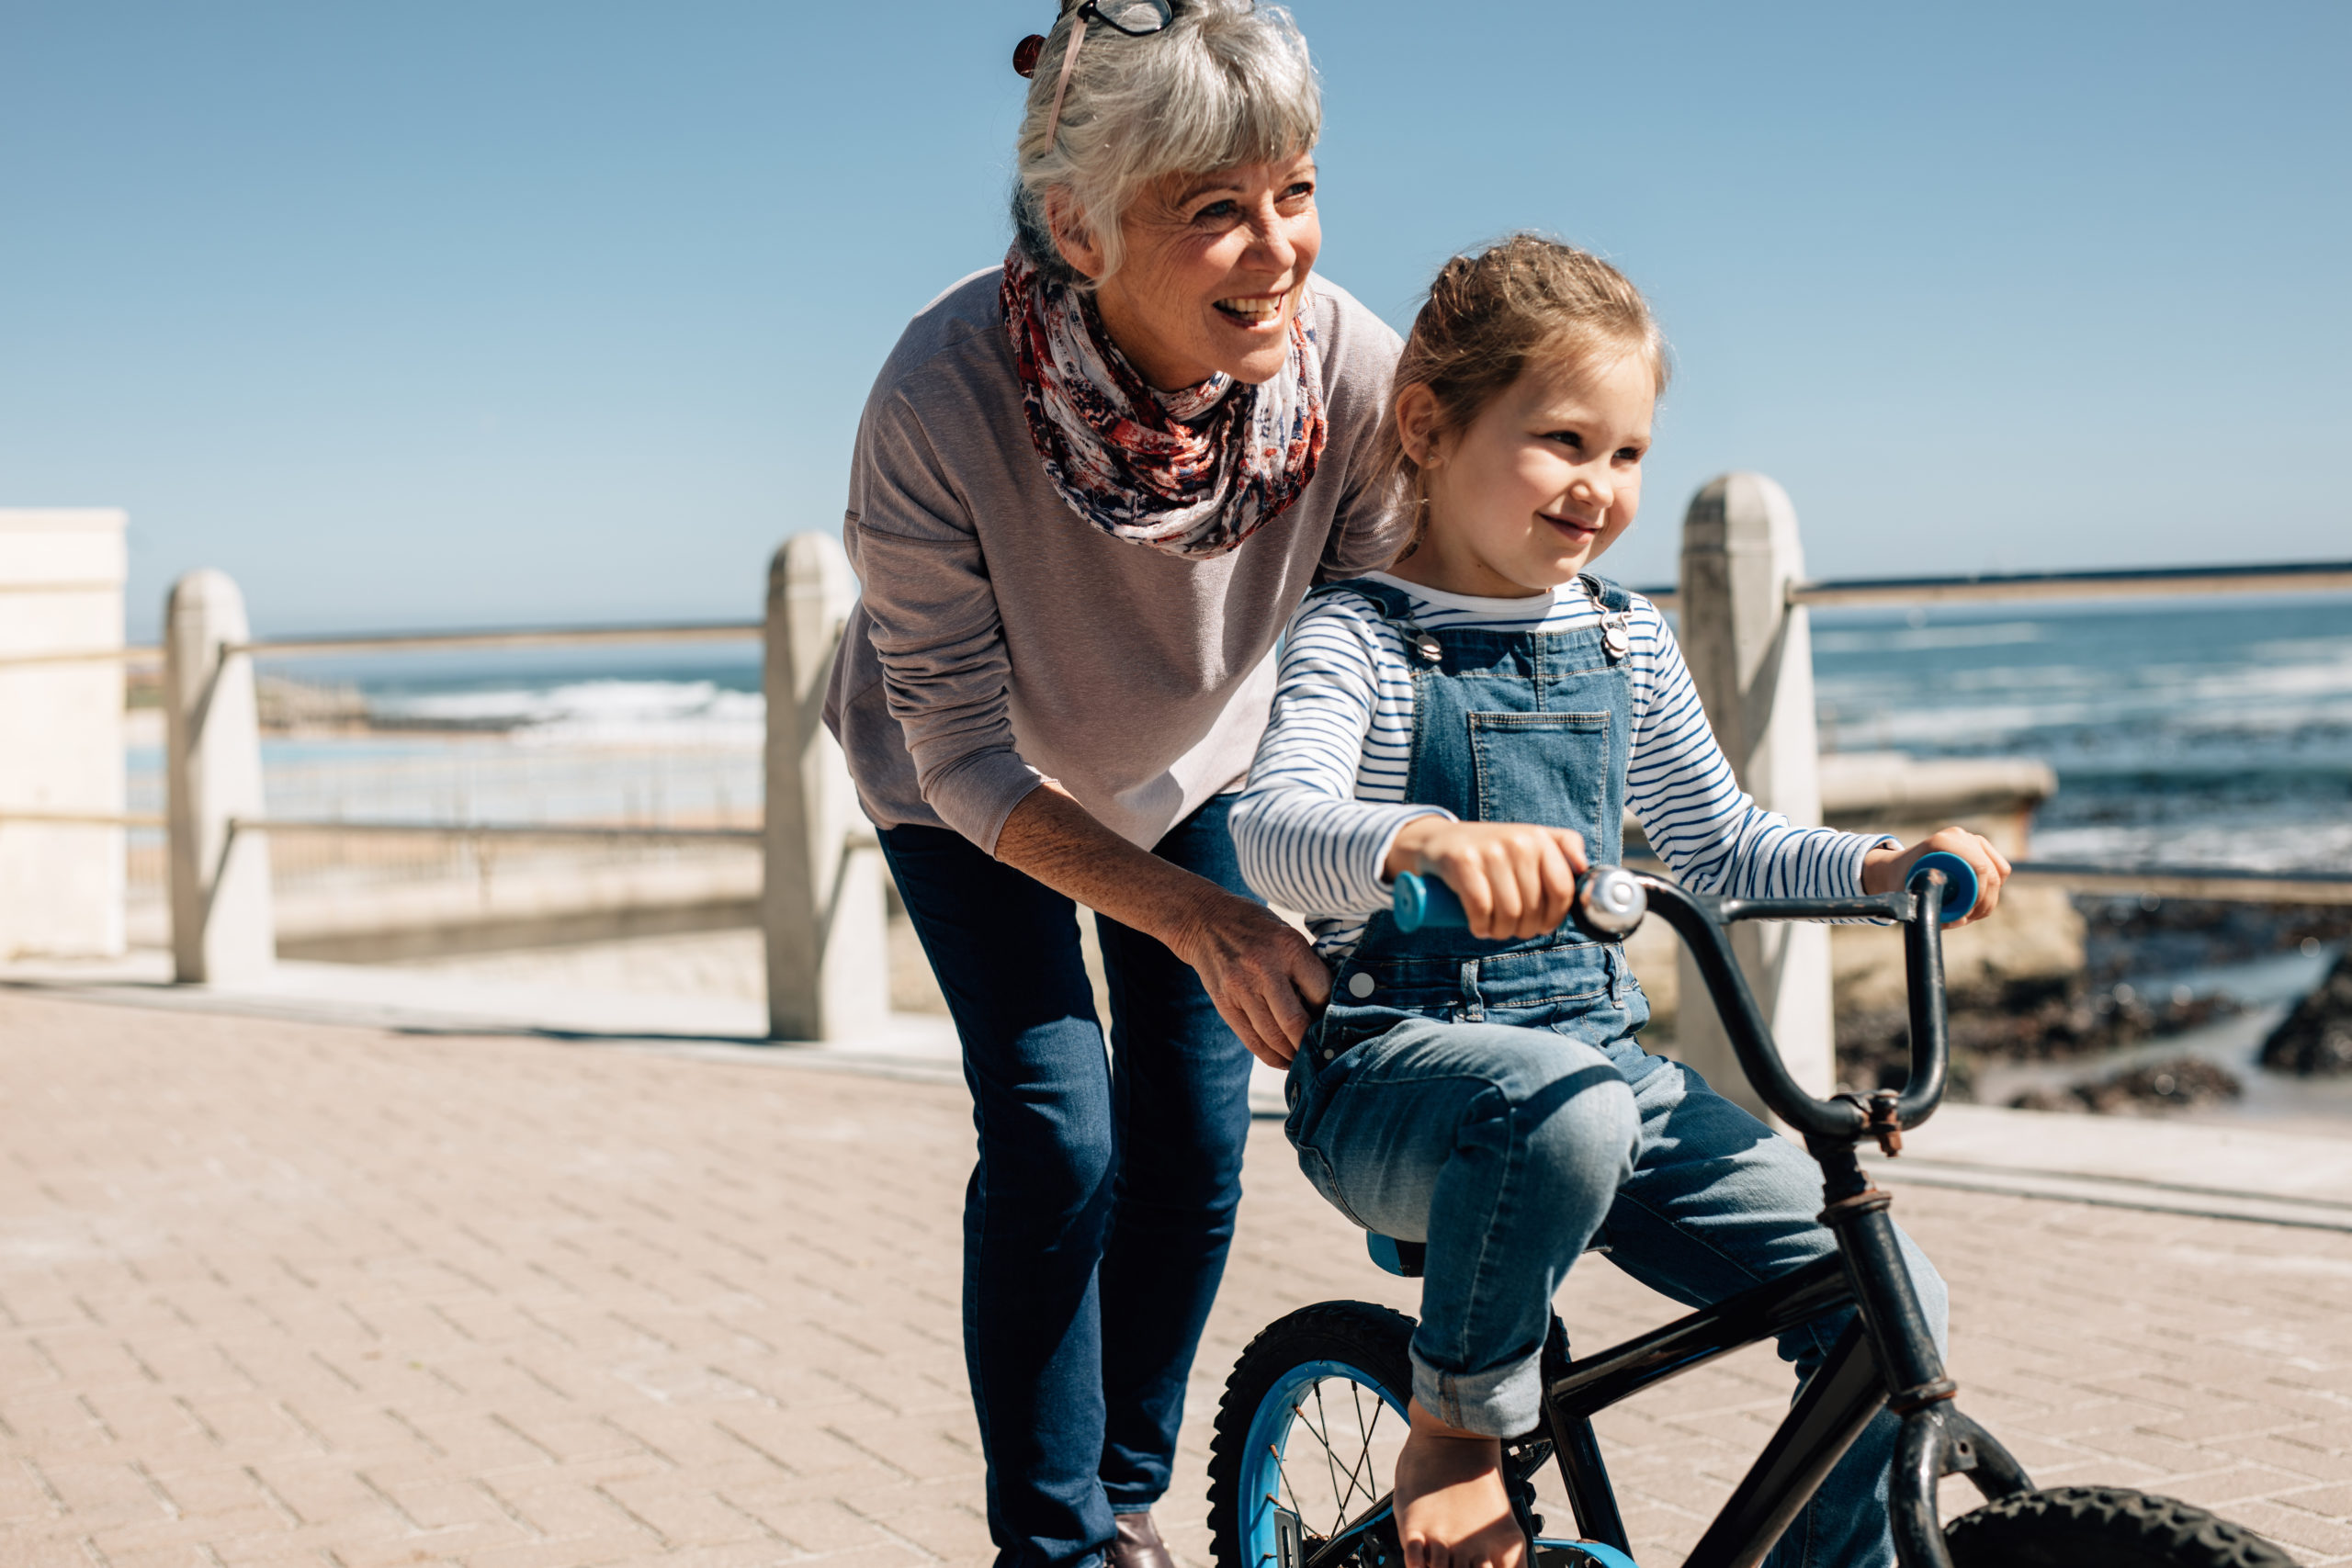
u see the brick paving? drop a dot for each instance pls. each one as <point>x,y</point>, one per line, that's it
<point>277,1294</point>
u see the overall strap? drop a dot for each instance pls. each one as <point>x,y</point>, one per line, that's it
<point>1392,604</point>
<point>1613,601</point>
<point>1607,592</point>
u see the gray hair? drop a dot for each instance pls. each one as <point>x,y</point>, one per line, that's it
<point>1227,84</point>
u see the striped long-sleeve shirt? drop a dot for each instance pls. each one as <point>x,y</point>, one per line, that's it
<point>1327,794</point>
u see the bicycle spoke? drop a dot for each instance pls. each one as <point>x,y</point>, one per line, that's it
<point>1303,1422</point>
<point>1347,1484</point>
<point>1347,1477</point>
<point>1330,1461</point>
<point>1361,1472</point>
<point>1281,1481</point>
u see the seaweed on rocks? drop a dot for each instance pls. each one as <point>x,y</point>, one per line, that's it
<point>2024,1020</point>
<point>2123,937</point>
<point>2315,1040</point>
<point>2178,1083</point>
<point>2126,996</point>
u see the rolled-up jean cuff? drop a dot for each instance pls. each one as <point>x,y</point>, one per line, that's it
<point>1504,1402</point>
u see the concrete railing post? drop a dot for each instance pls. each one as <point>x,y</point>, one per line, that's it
<point>1750,654</point>
<point>828,968</point>
<point>62,881</point>
<point>223,930</point>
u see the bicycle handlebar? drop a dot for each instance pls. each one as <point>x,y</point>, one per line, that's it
<point>1611,903</point>
<point>1607,903</point>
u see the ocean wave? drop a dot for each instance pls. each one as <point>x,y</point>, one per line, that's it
<point>2299,844</point>
<point>611,712</point>
<point>1907,640</point>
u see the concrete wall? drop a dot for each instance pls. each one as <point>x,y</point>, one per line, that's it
<point>61,732</point>
<point>2035,935</point>
<point>516,897</point>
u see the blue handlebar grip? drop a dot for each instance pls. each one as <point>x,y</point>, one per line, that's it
<point>1425,901</point>
<point>1959,897</point>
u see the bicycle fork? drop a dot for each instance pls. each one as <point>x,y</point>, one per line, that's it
<point>1937,1440</point>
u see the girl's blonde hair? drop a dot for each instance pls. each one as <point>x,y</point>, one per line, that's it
<point>1489,315</point>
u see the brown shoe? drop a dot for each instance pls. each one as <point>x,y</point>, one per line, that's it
<point>1138,1544</point>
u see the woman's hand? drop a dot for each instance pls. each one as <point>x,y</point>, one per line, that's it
<point>1885,870</point>
<point>1264,978</point>
<point>1515,879</point>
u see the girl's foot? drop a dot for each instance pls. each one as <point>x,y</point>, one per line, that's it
<point>1452,1510</point>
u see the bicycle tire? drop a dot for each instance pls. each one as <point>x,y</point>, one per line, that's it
<point>1357,1341</point>
<point>2103,1527</point>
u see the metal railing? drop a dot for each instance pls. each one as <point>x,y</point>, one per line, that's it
<point>2225,884</point>
<point>821,904</point>
<point>2279,577</point>
<point>342,825</point>
<point>501,639</point>
<point>2275,577</point>
<point>325,644</point>
<point>145,819</point>
<point>497,638</point>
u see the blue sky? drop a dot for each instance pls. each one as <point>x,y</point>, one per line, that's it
<point>494,311</point>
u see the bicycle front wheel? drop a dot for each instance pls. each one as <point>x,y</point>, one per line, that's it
<point>2103,1527</point>
<point>1308,1434</point>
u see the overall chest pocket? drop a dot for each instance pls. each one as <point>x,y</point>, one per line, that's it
<point>1551,768</point>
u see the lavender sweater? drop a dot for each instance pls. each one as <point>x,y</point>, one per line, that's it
<point>1001,638</point>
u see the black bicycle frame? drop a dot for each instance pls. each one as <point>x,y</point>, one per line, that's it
<point>1885,1359</point>
<point>1841,1397</point>
<point>1844,1394</point>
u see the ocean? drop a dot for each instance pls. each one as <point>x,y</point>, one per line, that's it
<point>2199,731</point>
<point>2213,731</point>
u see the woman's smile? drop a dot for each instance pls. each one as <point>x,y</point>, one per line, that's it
<point>1258,310</point>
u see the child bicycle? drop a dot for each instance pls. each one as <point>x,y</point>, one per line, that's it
<point>1315,1404</point>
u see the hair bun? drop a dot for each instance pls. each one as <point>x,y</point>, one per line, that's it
<point>1026,53</point>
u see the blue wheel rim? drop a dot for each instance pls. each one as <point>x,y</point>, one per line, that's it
<point>1279,1416</point>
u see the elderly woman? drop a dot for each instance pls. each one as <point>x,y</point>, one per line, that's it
<point>1089,485</point>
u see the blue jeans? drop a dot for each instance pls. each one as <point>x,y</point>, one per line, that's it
<point>1511,1145</point>
<point>1099,1212</point>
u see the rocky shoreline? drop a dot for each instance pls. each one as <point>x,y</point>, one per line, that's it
<point>2124,997</point>
<point>2316,1039</point>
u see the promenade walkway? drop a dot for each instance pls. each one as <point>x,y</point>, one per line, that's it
<point>279,1292</point>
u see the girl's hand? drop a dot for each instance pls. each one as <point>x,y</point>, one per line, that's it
<point>1264,978</point>
<point>1515,879</point>
<point>1885,870</point>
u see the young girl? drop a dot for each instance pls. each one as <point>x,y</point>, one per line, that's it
<point>1485,711</point>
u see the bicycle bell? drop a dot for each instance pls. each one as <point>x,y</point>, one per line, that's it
<point>1610,902</point>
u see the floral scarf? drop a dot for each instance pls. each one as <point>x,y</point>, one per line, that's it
<point>1193,472</point>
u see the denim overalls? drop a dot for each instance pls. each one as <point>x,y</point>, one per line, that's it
<point>1508,727</point>
<point>1491,1100</point>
